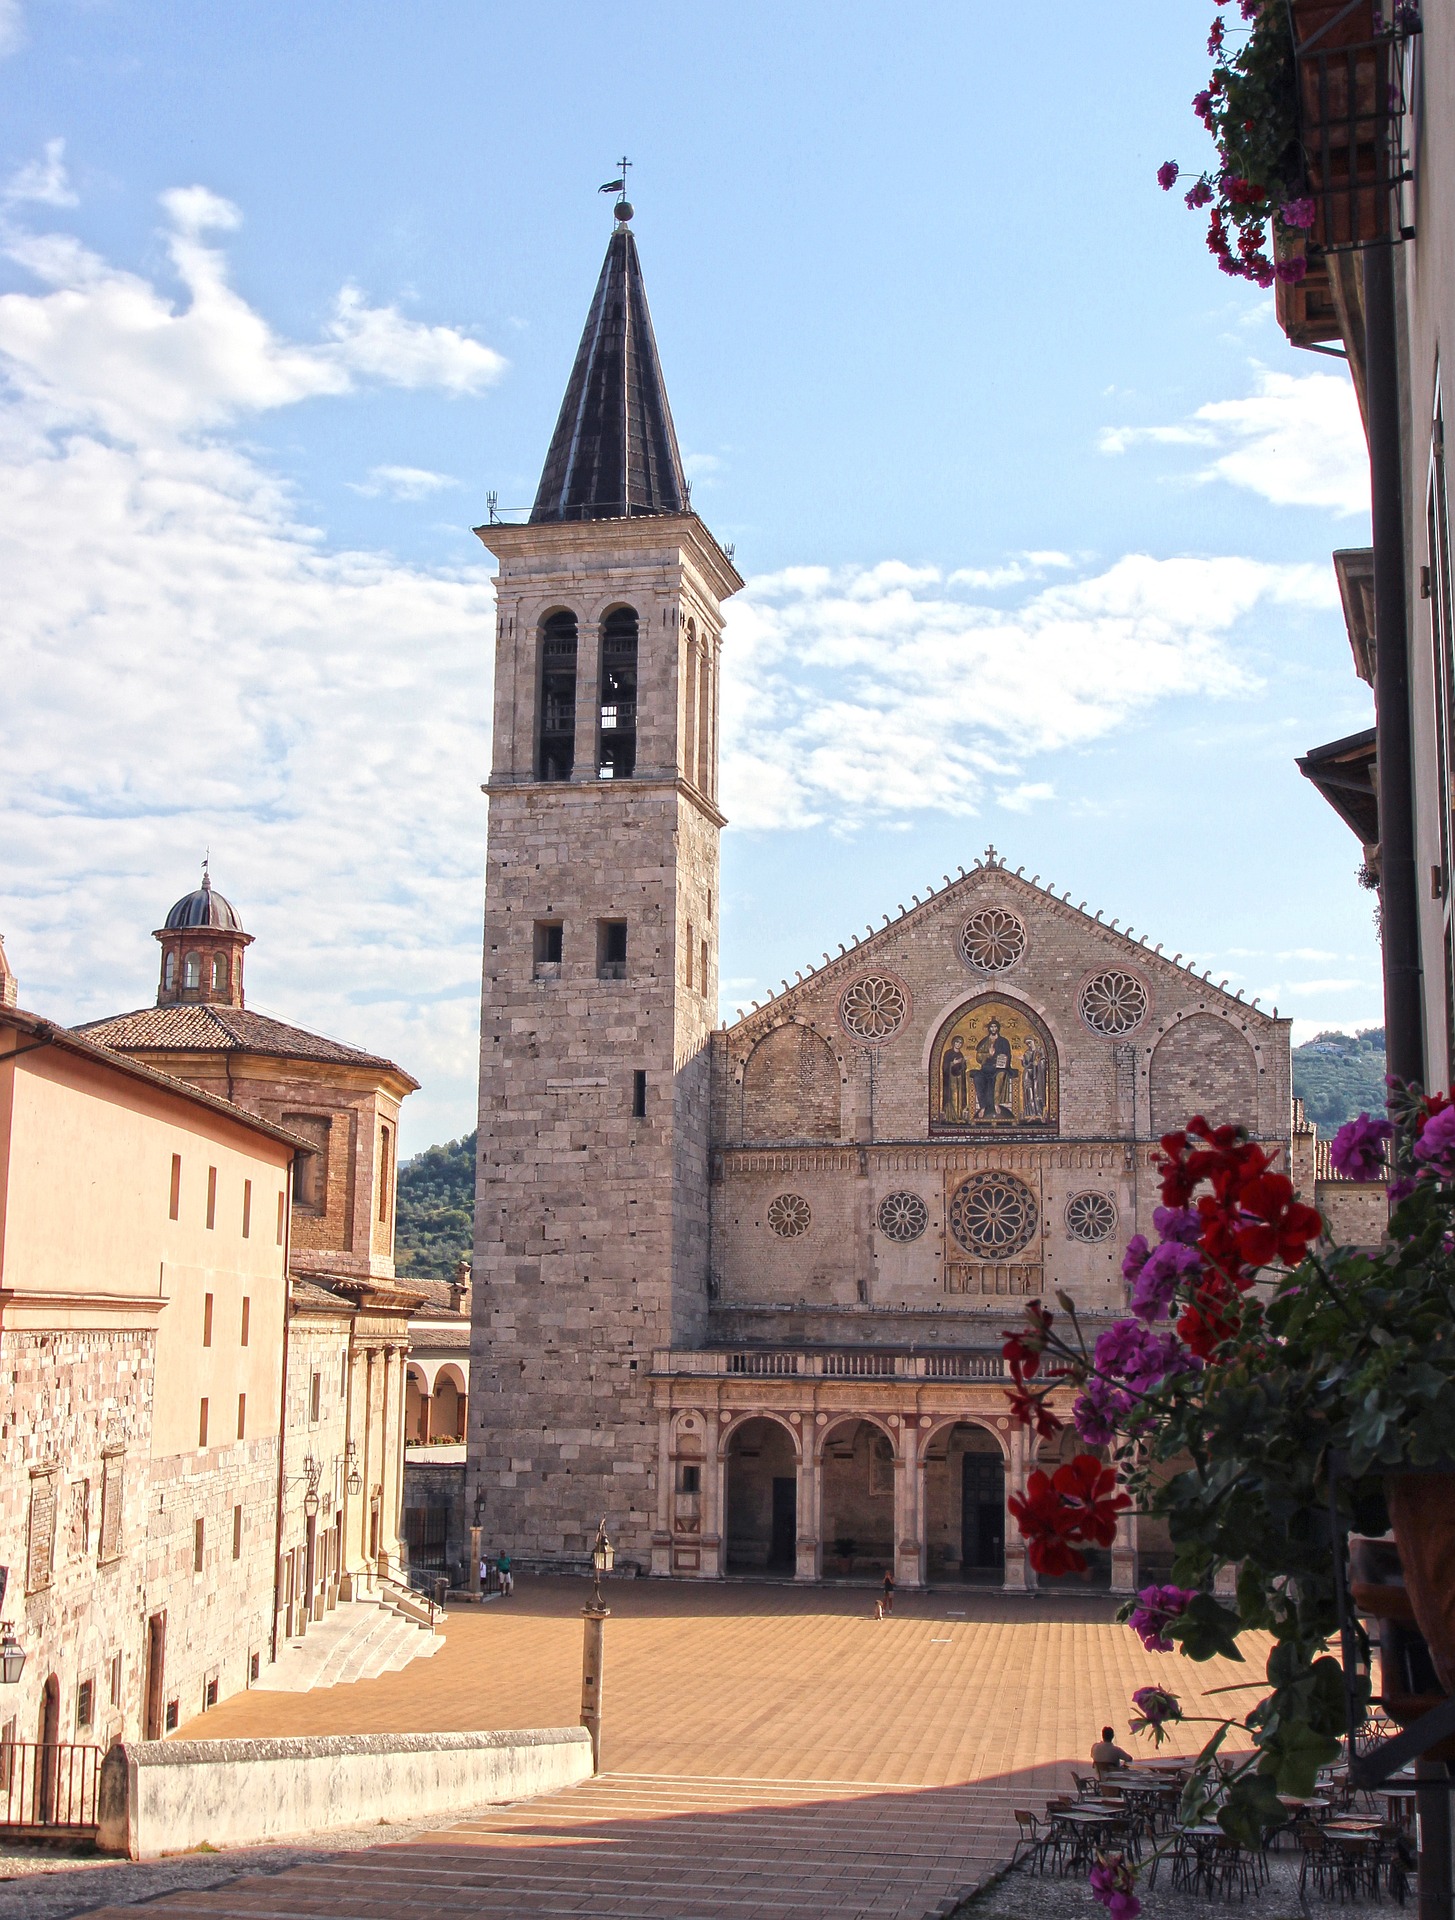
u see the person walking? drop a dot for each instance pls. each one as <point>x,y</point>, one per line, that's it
<point>507,1578</point>
<point>888,1591</point>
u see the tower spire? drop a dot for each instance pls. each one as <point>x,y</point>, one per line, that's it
<point>614,452</point>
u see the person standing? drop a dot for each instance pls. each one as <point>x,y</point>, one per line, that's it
<point>507,1578</point>
<point>888,1591</point>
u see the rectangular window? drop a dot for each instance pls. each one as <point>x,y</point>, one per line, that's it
<point>282,1208</point>
<point>246,1315</point>
<point>7,1755</point>
<point>546,950</point>
<point>116,1679</point>
<point>199,1540</point>
<point>242,1416</point>
<point>386,1145</point>
<point>689,1479</point>
<point>212,1197</point>
<point>41,1540</point>
<point>310,1169</point>
<point>687,956</point>
<point>209,1692</point>
<point>112,1465</point>
<point>255,1662</point>
<point>85,1703</point>
<point>174,1707</point>
<point>237,1533</point>
<point>207,1319</point>
<point>639,1094</point>
<point>315,1396</point>
<point>202,1424</point>
<point>611,949</point>
<point>176,1206</point>
<point>247,1209</point>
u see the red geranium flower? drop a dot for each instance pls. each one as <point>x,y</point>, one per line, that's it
<point>1281,1227</point>
<point>1078,1503</point>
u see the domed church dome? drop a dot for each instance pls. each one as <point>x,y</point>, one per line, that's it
<point>204,908</point>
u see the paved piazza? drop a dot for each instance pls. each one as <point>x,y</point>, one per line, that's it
<point>768,1751</point>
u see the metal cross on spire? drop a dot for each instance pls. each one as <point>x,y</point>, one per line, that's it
<point>623,207</point>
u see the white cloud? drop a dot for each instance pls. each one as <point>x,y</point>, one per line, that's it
<point>186,664</point>
<point>1296,440</point>
<point>12,27</point>
<point>701,466</point>
<point>44,181</point>
<point>1029,793</point>
<point>403,483</point>
<point>105,348</point>
<point>883,692</point>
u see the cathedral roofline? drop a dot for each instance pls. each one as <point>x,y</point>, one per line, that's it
<point>509,539</point>
<point>851,956</point>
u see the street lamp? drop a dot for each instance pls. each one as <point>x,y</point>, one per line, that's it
<point>313,1473</point>
<point>355,1481</point>
<point>594,1613</point>
<point>12,1656</point>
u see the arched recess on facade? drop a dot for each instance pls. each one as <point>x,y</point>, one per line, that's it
<point>994,1068</point>
<point>966,1462</point>
<point>1203,1064</point>
<point>760,1456</point>
<point>791,1087</point>
<point>447,1403</point>
<point>858,1457</point>
<point>416,1398</point>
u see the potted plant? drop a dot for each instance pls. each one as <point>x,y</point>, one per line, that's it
<point>845,1548</point>
<point>1254,1361</point>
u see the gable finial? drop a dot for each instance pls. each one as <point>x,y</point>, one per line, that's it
<point>991,856</point>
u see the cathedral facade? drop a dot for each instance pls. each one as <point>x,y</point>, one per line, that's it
<point>741,1291</point>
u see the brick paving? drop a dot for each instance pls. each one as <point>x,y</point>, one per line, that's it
<point>770,1754</point>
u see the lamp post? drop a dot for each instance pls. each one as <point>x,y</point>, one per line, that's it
<point>12,1656</point>
<point>595,1614</point>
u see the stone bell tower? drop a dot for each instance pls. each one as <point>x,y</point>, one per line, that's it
<point>600,958</point>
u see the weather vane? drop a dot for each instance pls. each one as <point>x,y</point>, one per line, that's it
<point>623,207</point>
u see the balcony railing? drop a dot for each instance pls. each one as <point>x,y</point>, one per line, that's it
<point>841,1363</point>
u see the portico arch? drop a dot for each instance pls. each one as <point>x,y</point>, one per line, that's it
<point>965,1463</point>
<point>858,1460</point>
<point>760,1458</point>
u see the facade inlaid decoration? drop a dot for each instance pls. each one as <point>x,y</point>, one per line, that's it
<point>994,1067</point>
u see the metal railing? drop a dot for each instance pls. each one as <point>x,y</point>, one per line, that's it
<point>853,1363</point>
<point>48,1787</point>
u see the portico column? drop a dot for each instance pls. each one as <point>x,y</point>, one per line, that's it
<point>396,1441</point>
<point>1124,1555</point>
<point>662,1536</point>
<point>908,1525</point>
<point>712,1496</point>
<point>808,1557</point>
<point>1018,1576</point>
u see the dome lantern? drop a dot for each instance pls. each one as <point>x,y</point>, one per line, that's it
<point>202,943</point>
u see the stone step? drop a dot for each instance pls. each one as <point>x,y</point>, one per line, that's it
<point>359,1640</point>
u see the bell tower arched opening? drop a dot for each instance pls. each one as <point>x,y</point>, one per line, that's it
<point>556,731</point>
<point>617,753</point>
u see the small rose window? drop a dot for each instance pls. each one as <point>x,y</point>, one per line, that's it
<point>993,939</point>
<point>903,1217</point>
<point>1090,1217</point>
<point>1113,1002</point>
<point>789,1215</point>
<point>873,1008</point>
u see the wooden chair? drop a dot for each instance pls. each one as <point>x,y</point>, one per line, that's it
<point>1032,1841</point>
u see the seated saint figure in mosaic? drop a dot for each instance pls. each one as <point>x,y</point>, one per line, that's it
<point>995,1078</point>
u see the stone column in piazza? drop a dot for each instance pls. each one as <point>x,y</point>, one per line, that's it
<point>666,1490</point>
<point>909,1554</point>
<point>1018,1577</point>
<point>809,1544</point>
<point>1124,1555</point>
<point>713,1517</point>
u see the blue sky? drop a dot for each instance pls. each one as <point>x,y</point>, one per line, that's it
<point>1035,506</point>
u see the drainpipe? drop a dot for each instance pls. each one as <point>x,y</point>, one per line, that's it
<point>282,1408</point>
<point>1398,893</point>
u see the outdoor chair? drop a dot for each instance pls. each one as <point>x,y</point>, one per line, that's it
<point>1316,1863</point>
<point>1033,1841</point>
<point>1087,1785</point>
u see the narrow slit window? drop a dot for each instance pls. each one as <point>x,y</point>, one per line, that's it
<point>611,949</point>
<point>639,1094</point>
<point>702,976</point>
<point>386,1145</point>
<point>315,1397</point>
<point>199,1544</point>
<point>242,1416</point>
<point>687,956</point>
<point>247,1310</point>
<point>556,735</point>
<point>212,1196</point>
<point>237,1537</point>
<point>247,1209</point>
<point>176,1202</point>
<point>207,1319</point>
<point>282,1205</point>
<point>618,710</point>
<point>202,1424</point>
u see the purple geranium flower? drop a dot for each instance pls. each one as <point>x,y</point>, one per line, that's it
<point>1098,1407</point>
<point>1167,175</point>
<point>1135,1257</point>
<point>1299,213</point>
<point>1178,1223</point>
<point>1436,1144</point>
<point>1156,1609</point>
<point>1155,1707</point>
<point>1358,1148</point>
<point>1198,194</point>
<point>1112,1880</point>
<point>1159,1278</point>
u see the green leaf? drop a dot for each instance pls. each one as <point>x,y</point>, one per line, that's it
<point>1292,1755</point>
<point>1251,1808</point>
<point>1207,1629</point>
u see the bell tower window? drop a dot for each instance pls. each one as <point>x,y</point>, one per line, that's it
<point>219,973</point>
<point>169,969</point>
<point>618,755</point>
<point>192,970</point>
<point>556,741</point>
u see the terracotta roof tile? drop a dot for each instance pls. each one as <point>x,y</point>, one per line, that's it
<point>210,1029</point>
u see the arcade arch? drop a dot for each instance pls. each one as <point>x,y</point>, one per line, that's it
<point>760,1499</point>
<point>964,1495</point>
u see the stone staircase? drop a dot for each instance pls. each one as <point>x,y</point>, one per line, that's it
<point>359,1640</point>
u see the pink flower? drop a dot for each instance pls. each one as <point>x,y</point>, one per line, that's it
<point>1156,1609</point>
<point>1159,1278</point>
<point>1436,1144</point>
<point>1358,1148</point>
<point>1290,272</point>
<point>1136,1256</point>
<point>1155,1707</point>
<point>1167,175</point>
<point>1112,1881</point>
<point>1298,213</point>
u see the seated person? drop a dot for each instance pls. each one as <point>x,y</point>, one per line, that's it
<point>1106,1755</point>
